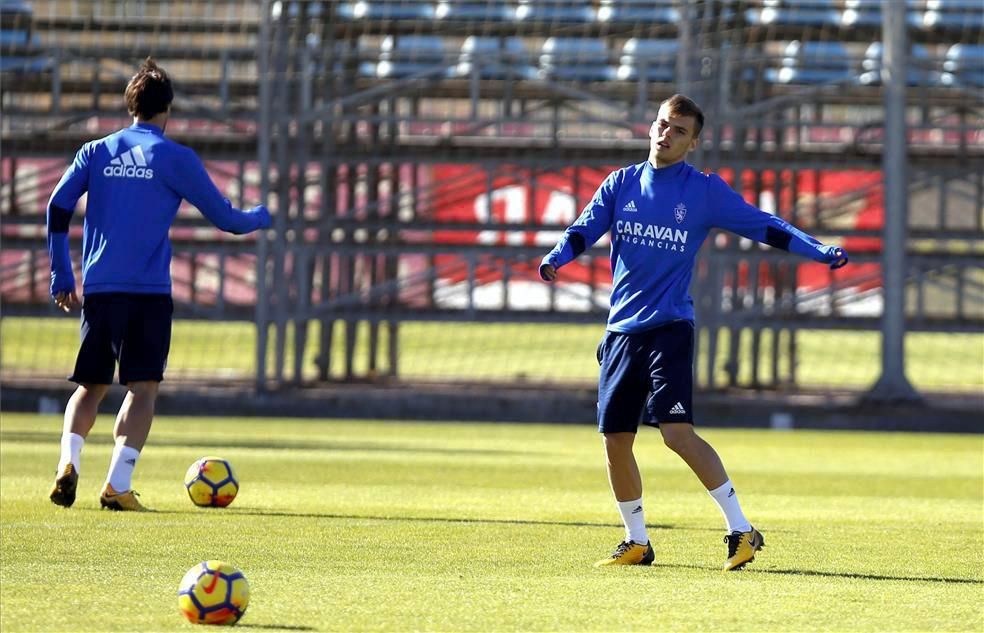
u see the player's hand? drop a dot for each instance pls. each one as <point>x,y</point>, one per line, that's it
<point>264,213</point>
<point>837,258</point>
<point>548,272</point>
<point>67,300</point>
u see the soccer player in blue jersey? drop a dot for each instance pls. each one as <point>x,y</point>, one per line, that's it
<point>135,179</point>
<point>659,212</point>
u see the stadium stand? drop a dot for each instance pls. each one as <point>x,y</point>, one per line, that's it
<point>652,60</point>
<point>796,12</point>
<point>813,63</point>
<point>575,59</point>
<point>554,11</point>
<point>492,11</point>
<point>638,11</point>
<point>392,10</point>
<point>407,55</point>
<point>953,14</point>
<point>964,66</point>
<point>920,71</point>
<point>867,13</point>
<point>430,150</point>
<point>495,58</point>
<point>21,45</point>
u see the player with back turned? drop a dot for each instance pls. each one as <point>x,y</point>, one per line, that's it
<point>135,179</point>
<point>659,212</point>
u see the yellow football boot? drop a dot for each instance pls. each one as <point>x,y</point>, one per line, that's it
<point>121,501</point>
<point>63,492</point>
<point>630,553</point>
<point>741,548</point>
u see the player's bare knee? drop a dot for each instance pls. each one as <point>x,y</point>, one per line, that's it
<point>91,393</point>
<point>672,442</point>
<point>678,437</point>
<point>618,449</point>
<point>144,389</point>
<point>618,443</point>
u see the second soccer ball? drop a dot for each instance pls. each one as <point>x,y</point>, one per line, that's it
<point>211,483</point>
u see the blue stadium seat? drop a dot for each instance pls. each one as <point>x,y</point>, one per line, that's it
<point>488,11</point>
<point>868,13</point>
<point>21,50</point>
<point>795,12</point>
<point>638,11</point>
<point>368,56</point>
<point>812,63</point>
<point>919,71</point>
<point>408,55</point>
<point>385,10</point>
<point>655,60</point>
<point>571,11</point>
<point>575,59</point>
<point>964,66</point>
<point>954,14</point>
<point>496,58</point>
<point>18,62</point>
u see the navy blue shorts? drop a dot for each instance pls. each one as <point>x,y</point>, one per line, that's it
<point>647,377</point>
<point>133,330</point>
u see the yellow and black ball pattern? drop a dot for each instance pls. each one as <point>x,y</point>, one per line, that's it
<point>211,482</point>
<point>213,592</point>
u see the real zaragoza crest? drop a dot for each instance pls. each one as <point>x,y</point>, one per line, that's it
<point>680,212</point>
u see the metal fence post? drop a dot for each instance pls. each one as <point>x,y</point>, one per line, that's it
<point>893,385</point>
<point>263,157</point>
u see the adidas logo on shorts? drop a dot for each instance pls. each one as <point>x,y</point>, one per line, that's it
<point>678,410</point>
<point>130,164</point>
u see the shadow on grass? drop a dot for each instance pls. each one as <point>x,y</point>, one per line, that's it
<point>837,574</point>
<point>412,519</point>
<point>107,439</point>
<point>276,627</point>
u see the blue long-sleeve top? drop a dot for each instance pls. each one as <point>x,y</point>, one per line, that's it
<point>136,179</point>
<point>658,219</point>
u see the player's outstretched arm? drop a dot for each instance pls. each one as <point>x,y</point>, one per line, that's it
<point>193,183</point>
<point>595,220</point>
<point>731,212</point>
<point>61,206</point>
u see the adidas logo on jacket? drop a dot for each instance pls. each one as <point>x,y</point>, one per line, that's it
<point>129,164</point>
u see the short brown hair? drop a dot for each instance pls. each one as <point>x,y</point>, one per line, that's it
<point>682,105</point>
<point>149,92</point>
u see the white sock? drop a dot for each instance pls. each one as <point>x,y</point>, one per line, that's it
<point>635,521</point>
<point>71,452</point>
<point>121,467</point>
<point>727,500</point>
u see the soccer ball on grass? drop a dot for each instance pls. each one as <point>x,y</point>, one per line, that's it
<point>211,483</point>
<point>213,592</point>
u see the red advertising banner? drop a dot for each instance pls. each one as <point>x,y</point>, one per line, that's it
<point>844,200</point>
<point>459,199</point>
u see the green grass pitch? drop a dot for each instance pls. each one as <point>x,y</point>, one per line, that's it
<point>352,525</point>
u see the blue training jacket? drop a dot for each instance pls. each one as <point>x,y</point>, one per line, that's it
<point>136,179</point>
<point>658,219</point>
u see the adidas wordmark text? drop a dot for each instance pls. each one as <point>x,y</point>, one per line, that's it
<point>130,164</point>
